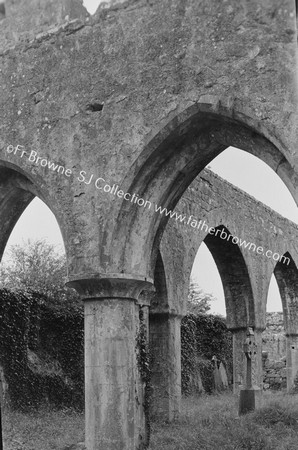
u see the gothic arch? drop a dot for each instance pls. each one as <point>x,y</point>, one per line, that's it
<point>235,279</point>
<point>169,163</point>
<point>17,190</point>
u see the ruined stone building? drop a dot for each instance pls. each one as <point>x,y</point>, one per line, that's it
<point>106,118</point>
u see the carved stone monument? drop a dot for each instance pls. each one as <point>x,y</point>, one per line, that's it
<point>249,394</point>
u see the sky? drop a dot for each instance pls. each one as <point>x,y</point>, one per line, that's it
<point>236,166</point>
<point>91,5</point>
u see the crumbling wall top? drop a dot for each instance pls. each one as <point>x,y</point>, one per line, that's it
<point>24,19</point>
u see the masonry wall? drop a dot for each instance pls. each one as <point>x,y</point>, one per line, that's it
<point>216,202</point>
<point>274,352</point>
<point>274,339</point>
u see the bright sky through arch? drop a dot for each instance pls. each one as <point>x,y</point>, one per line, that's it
<point>255,177</point>
<point>91,5</point>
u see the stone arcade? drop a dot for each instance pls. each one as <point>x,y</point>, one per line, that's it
<point>144,94</point>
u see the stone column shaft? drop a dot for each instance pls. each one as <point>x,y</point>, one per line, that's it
<point>113,410</point>
<point>257,374</point>
<point>110,333</point>
<point>239,369</point>
<point>165,349</point>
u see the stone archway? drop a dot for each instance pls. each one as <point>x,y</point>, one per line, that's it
<point>17,190</point>
<point>165,317</point>
<point>157,74</point>
<point>168,165</point>
<point>240,303</point>
<point>160,175</point>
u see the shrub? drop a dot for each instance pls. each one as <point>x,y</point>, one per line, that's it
<point>203,336</point>
<point>27,323</point>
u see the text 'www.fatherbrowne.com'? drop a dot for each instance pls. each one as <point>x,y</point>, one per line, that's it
<point>222,233</point>
<point>100,184</point>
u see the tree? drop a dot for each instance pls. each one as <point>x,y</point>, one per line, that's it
<point>36,266</point>
<point>198,301</point>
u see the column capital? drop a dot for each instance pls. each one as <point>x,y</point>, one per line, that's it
<point>146,296</point>
<point>110,285</point>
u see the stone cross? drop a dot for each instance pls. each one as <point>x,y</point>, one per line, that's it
<point>248,393</point>
<point>250,350</point>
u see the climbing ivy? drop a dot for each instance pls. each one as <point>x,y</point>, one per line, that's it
<point>143,361</point>
<point>28,324</point>
<point>202,337</point>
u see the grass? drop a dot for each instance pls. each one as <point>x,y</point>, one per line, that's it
<point>208,422</point>
<point>212,423</point>
<point>45,429</point>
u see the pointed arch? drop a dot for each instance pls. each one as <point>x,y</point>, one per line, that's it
<point>169,163</point>
<point>17,190</point>
<point>235,279</point>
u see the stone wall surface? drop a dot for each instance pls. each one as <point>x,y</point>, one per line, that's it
<point>274,351</point>
<point>274,339</point>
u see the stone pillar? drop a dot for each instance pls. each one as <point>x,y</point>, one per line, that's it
<point>292,362</point>
<point>257,374</point>
<point>165,350</point>
<point>239,372</point>
<point>144,393</point>
<point>113,412</point>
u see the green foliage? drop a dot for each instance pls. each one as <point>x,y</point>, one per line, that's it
<point>143,361</point>
<point>276,414</point>
<point>14,316</point>
<point>43,429</point>
<point>188,351</point>
<point>35,266</point>
<point>212,423</point>
<point>27,323</point>
<point>198,301</point>
<point>202,337</point>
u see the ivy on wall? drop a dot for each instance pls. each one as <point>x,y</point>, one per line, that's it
<point>143,361</point>
<point>42,348</point>
<point>202,338</point>
<point>30,326</point>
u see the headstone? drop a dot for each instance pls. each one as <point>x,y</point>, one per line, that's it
<point>216,374</point>
<point>224,376</point>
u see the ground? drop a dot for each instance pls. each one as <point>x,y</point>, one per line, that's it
<point>207,423</point>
